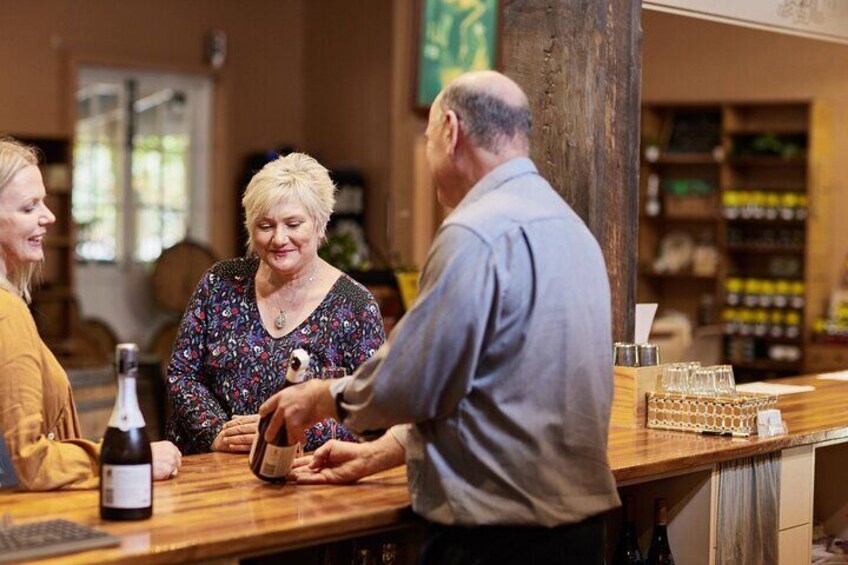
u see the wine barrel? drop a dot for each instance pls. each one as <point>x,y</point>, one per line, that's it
<point>162,343</point>
<point>97,341</point>
<point>94,396</point>
<point>177,272</point>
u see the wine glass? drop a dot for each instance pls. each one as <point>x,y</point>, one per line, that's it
<point>333,372</point>
<point>725,382</point>
<point>704,382</point>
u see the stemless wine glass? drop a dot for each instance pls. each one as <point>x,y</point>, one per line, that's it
<point>333,372</point>
<point>725,382</point>
<point>674,377</point>
<point>691,367</point>
<point>704,382</point>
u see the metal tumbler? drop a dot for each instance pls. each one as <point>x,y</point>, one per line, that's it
<point>625,354</point>
<point>649,354</point>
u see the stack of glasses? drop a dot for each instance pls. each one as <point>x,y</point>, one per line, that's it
<point>691,378</point>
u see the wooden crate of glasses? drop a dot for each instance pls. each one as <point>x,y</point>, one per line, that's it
<point>733,415</point>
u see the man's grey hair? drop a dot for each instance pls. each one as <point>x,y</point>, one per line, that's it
<point>487,120</point>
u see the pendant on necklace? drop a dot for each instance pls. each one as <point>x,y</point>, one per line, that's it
<point>280,320</point>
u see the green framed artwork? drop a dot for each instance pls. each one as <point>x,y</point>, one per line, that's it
<point>455,36</point>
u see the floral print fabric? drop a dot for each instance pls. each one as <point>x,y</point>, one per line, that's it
<point>225,363</point>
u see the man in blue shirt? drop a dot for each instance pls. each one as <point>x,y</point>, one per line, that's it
<point>501,370</point>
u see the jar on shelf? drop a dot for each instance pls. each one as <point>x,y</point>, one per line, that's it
<point>761,322</point>
<point>733,291</point>
<point>776,328</point>
<point>788,205</point>
<point>772,206</point>
<point>781,293</point>
<point>801,210</point>
<point>751,290</point>
<point>652,197</point>
<point>758,204</point>
<point>792,321</point>
<point>746,321</point>
<point>766,293</point>
<point>730,203</point>
<point>796,290</point>
<point>746,205</point>
<point>729,321</point>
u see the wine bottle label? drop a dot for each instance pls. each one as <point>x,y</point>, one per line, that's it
<point>126,486</point>
<point>277,461</point>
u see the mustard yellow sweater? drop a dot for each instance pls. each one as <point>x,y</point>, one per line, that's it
<point>37,414</point>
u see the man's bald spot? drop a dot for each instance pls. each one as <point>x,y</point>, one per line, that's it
<point>494,111</point>
<point>494,84</point>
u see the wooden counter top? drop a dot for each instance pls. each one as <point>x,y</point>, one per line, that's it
<point>811,417</point>
<point>216,508</point>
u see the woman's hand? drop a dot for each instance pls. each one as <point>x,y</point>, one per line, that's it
<point>237,435</point>
<point>166,460</point>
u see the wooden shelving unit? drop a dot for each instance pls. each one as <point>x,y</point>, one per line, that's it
<point>757,197</point>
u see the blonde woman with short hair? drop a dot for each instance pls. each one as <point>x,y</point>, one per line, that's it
<point>246,315</point>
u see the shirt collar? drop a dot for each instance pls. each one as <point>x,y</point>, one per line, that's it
<point>501,174</point>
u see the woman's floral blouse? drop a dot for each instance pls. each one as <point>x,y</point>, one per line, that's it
<point>225,363</point>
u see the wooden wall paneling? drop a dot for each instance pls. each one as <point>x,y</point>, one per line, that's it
<point>348,90</point>
<point>580,63</point>
<point>822,204</point>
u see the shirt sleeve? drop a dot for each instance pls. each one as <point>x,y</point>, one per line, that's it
<point>196,415</point>
<point>41,463</point>
<point>430,358</point>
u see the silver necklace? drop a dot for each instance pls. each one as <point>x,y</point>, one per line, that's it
<point>281,319</point>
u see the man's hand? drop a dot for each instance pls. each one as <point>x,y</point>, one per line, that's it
<point>340,462</point>
<point>297,408</point>
<point>237,435</point>
<point>166,460</point>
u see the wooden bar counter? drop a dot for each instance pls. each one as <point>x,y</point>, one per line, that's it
<point>216,508</point>
<point>811,418</point>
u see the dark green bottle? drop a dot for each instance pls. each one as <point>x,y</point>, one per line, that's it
<point>627,551</point>
<point>660,551</point>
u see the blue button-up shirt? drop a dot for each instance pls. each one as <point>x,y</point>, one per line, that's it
<point>503,364</point>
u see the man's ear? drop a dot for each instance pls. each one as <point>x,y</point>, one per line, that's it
<point>452,131</point>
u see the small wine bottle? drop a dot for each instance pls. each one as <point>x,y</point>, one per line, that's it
<point>627,551</point>
<point>271,461</point>
<point>126,460</point>
<point>660,552</point>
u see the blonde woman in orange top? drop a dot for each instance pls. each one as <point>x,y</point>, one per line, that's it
<point>38,419</point>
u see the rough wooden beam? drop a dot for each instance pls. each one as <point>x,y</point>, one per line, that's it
<point>580,63</point>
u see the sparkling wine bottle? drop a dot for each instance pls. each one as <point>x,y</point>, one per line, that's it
<point>660,551</point>
<point>271,461</point>
<point>627,552</point>
<point>126,461</point>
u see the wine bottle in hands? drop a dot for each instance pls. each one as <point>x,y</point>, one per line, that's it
<point>660,552</point>
<point>271,461</point>
<point>126,461</point>
<point>627,552</point>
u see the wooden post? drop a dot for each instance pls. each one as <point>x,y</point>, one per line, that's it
<point>580,63</point>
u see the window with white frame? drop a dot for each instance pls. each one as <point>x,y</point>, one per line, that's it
<point>141,157</point>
